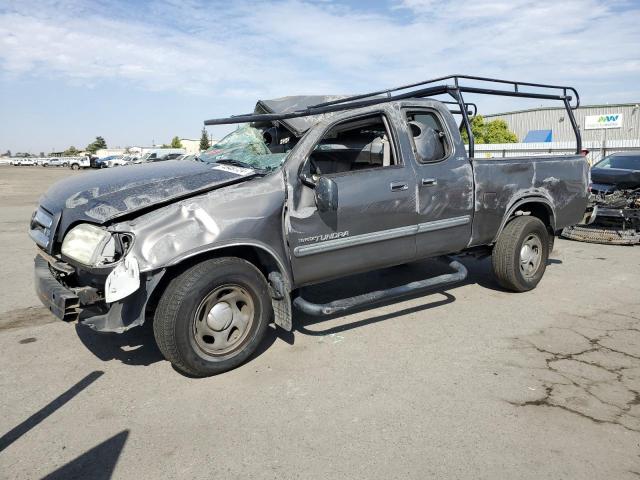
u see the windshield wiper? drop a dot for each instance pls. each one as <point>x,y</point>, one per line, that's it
<point>240,163</point>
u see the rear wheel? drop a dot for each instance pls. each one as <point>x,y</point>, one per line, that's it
<point>520,255</point>
<point>212,317</point>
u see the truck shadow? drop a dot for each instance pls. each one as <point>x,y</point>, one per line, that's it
<point>367,282</point>
<point>133,347</point>
<point>306,321</point>
<point>479,273</point>
<point>138,347</point>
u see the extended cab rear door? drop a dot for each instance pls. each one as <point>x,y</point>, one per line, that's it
<point>444,182</point>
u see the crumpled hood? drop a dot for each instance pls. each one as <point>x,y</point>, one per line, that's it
<point>103,195</point>
<point>615,178</point>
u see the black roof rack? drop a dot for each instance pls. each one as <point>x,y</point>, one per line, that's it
<point>429,88</point>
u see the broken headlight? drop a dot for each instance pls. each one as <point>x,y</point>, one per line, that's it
<point>92,245</point>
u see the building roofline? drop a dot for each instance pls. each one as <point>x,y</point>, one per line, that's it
<point>538,109</point>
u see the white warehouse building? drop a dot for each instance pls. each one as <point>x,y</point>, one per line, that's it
<point>547,130</point>
<point>619,121</point>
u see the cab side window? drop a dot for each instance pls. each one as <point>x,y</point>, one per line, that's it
<point>430,142</point>
<point>359,144</point>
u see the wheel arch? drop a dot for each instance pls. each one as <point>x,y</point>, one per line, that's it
<point>536,206</point>
<point>260,256</point>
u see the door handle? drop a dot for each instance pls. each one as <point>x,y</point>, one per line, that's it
<point>399,186</point>
<point>429,182</point>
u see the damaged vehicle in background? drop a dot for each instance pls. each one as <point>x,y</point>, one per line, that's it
<point>613,212</point>
<point>119,161</point>
<point>54,162</point>
<point>310,190</point>
<point>160,155</point>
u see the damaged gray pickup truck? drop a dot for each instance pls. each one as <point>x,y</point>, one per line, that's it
<point>215,250</point>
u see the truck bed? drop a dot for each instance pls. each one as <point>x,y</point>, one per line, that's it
<point>501,183</point>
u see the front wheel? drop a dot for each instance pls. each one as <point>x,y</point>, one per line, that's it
<point>520,255</point>
<point>75,166</point>
<point>212,317</point>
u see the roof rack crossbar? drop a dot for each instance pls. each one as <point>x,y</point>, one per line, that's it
<point>473,110</point>
<point>456,80</point>
<point>306,112</point>
<point>456,90</point>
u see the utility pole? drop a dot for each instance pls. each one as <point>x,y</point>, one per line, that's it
<point>603,142</point>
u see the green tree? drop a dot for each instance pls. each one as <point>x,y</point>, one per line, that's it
<point>71,151</point>
<point>96,145</point>
<point>175,143</point>
<point>495,131</point>
<point>204,140</point>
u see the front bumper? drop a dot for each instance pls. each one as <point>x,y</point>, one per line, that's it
<point>71,305</point>
<point>61,301</point>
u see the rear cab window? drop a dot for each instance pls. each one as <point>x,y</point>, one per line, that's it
<point>430,140</point>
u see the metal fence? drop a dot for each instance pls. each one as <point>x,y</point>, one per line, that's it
<point>597,149</point>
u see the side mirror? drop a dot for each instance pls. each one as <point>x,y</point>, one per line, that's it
<point>326,195</point>
<point>304,174</point>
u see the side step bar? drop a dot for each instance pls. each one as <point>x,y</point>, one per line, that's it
<point>379,295</point>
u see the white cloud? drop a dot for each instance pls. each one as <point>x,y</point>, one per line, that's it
<point>263,49</point>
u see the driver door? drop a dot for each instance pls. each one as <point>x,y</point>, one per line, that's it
<point>374,223</point>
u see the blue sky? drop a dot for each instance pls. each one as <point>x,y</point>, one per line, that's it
<point>137,72</point>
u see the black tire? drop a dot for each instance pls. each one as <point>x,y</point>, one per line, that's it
<point>65,164</point>
<point>75,166</point>
<point>507,256</point>
<point>176,324</point>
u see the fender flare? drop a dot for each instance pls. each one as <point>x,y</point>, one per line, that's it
<point>235,243</point>
<point>518,202</point>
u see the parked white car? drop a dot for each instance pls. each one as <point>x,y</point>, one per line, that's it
<point>76,163</point>
<point>117,162</point>
<point>25,162</point>
<point>54,162</point>
<point>160,154</point>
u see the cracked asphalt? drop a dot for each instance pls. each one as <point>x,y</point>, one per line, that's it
<point>466,382</point>
<point>591,368</point>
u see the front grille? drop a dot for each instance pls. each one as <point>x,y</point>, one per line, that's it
<point>40,228</point>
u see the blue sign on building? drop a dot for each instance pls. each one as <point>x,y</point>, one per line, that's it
<point>537,136</point>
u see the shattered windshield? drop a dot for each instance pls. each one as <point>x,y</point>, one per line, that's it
<point>244,147</point>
